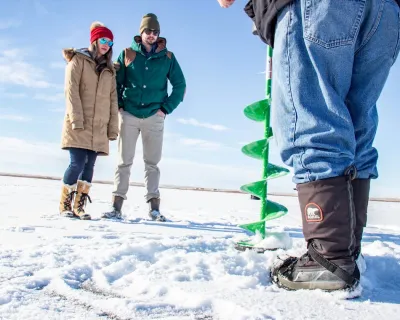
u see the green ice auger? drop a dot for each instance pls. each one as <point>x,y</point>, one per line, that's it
<point>260,111</point>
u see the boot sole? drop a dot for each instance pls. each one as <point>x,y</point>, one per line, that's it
<point>83,217</point>
<point>328,286</point>
<point>159,220</point>
<point>111,218</point>
<point>344,291</point>
<point>67,214</point>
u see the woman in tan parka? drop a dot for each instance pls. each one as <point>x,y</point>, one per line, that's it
<point>91,118</point>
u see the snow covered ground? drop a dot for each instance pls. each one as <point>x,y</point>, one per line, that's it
<point>55,268</point>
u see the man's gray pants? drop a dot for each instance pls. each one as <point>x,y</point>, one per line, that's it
<point>152,131</point>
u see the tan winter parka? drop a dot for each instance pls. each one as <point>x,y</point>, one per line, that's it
<point>91,118</point>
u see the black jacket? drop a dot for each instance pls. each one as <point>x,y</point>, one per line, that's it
<point>264,14</point>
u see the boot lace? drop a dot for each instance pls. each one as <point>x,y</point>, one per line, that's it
<point>68,201</point>
<point>82,201</point>
<point>290,263</point>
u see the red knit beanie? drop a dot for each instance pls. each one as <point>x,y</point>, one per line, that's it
<point>101,32</point>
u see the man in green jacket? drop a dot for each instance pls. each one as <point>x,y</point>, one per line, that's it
<point>143,71</point>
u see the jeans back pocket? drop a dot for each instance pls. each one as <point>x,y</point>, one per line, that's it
<point>332,23</point>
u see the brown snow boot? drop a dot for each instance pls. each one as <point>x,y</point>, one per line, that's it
<point>67,196</point>
<point>82,195</point>
<point>361,189</point>
<point>154,210</point>
<point>115,211</point>
<point>328,226</point>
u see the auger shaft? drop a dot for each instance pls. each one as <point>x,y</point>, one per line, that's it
<point>261,111</point>
<point>267,131</point>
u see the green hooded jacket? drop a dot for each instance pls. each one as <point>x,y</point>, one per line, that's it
<point>142,84</point>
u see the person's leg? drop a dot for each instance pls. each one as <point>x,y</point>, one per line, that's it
<point>88,170</point>
<point>376,51</point>
<point>129,134</point>
<point>312,72</point>
<point>68,189</point>
<point>315,46</point>
<point>152,138</point>
<point>75,168</point>
<point>83,186</point>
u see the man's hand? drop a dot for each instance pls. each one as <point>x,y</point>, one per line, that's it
<point>160,113</point>
<point>226,3</point>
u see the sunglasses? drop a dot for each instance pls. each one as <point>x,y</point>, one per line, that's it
<point>149,31</point>
<point>105,41</point>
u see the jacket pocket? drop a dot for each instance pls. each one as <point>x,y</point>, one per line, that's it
<point>332,23</point>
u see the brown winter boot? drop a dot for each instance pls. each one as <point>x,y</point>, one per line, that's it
<point>67,196</point>
<point>361,189</point>
<point>154,210</point>
<point>82,194</point>
<point>115,211</point>
<point>328,226</point>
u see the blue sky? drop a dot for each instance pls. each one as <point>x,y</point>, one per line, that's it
<point>223,64</point>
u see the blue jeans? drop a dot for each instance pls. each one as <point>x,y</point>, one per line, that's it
<point>331,61</point>
<point>81,166</point>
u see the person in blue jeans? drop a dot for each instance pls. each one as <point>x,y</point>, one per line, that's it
<point>81,166</point>
<point>91,117</point>
<point>330,64</point>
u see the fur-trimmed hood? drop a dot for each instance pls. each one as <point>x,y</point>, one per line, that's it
<point>69,53</point>
<point>84,53</point>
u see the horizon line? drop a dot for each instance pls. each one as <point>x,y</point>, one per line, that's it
<point>176,187</point>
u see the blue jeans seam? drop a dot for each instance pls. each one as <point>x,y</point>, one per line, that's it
<point>290,94</point>
<point>396,51</point>
<point>357,23</point>
<point>295,117</point>
<point>301,155</point>
<point>374,28</point>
